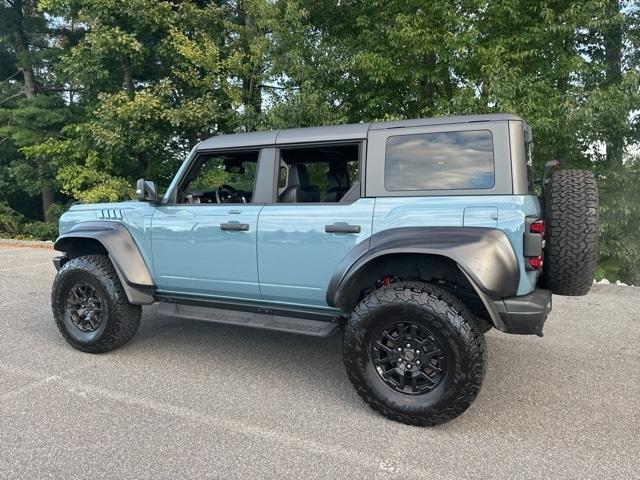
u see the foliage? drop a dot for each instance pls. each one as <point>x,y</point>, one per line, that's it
<point>96,93</point>
<point>39,231</point>
<point>620,223</point>
<point>10,221</point>
<point>15,225</point>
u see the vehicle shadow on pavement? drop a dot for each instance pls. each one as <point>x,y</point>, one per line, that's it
<point>312,366</point>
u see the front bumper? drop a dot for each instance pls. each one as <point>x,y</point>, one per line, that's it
<point>59,261</point>
<point>525,315</point>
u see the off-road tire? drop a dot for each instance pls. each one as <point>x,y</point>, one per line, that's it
<point>571,241</point>
<point>450,322</point>
<point>120,319</point>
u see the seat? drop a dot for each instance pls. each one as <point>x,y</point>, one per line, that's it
<point>338,182</point>
<point>299,190</point>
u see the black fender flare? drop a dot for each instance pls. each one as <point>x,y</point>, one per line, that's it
<point>123,251</point>
<point>484,255</point>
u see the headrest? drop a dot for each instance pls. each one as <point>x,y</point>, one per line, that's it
<point>337,176</point>
<point>298,175</point>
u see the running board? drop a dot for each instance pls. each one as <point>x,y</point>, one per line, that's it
<point>316,328</point>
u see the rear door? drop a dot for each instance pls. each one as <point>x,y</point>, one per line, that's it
<point>314,223</point>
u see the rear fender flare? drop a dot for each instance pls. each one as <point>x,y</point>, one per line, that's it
<point>484,255</point>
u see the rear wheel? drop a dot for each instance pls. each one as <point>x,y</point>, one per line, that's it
<point>571,205</point>
<point>90,306</point>
<point>414,353</point>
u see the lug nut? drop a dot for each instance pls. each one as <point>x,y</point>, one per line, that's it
<point>417,362</point>
<point>408,365</point>
<point>408,345</point>
<point>417,352</point>
<point>399,349</point>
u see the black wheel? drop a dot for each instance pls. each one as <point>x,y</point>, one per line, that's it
<point>414,353</point>
<point>571,240</point>
<point>90,307</point>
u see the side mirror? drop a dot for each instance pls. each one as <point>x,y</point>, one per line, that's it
<point>146,190</point>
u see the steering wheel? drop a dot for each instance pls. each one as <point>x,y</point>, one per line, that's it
<point>228,194</point>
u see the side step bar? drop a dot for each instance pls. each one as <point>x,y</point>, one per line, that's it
<point>316,328</point>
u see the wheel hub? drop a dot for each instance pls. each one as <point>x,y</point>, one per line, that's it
<point>408,358</point>
<point>409,355</point>
<point>85,307</point>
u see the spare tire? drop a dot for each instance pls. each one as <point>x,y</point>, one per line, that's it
<point>571,240</point>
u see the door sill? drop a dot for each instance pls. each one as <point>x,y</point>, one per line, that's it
<point>266,321</point>
<point>257,306</point>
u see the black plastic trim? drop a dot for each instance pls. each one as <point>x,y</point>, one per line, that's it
<point>123,252</point>
<point>299,326</point>
<point>525,315</point>
<point>532,244</point>
<point>248,306</point>
<point>340,228</point>
<point>59,261</point>
<point>484,254</point>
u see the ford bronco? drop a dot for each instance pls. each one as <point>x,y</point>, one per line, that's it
<point>410,238</point>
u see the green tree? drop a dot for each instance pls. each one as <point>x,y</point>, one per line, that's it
<point>32,109</point>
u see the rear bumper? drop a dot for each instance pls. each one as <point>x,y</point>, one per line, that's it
<point>525,315</point>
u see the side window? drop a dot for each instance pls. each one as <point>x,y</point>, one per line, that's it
<point>440,161</point>
<point>227,177</point>
<point>322,173</point>
<point>282,177</point>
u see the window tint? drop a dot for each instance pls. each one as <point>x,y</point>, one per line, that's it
<point>440,161</point>
<point>232,175</point>
<point>323,173</point>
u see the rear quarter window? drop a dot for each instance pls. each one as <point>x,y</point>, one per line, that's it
<point>440,161</point>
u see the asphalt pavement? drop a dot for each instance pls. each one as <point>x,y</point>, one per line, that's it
<point>187,399</point>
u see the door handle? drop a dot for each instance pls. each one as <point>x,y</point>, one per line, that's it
<point>235,227</point>
<point>342,228</point>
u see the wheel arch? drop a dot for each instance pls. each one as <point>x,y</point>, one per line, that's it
<point>480,261</point>
<point>114,240</point>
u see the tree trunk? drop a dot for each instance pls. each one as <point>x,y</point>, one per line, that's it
<point>143,164</point>
<point>128,79</point>
<point>427,83</point>
<point>47,201</point>
<point>22,47</point>
<point>614,138</point>
<point>252,91</point>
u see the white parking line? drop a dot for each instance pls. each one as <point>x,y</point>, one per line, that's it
<point>26,266</point>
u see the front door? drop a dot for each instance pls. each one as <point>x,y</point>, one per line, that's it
<point>205,242</point>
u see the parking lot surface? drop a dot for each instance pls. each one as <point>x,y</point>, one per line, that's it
<point>188,399</point>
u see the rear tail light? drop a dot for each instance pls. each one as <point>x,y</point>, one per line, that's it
<point>537,226</point>
<point>534,243</point>
<point>536,262</point>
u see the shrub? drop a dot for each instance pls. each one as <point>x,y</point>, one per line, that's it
<point>619,251</point>
<point>39,231</point>
<point>15,225</point>
<point>10,221</point>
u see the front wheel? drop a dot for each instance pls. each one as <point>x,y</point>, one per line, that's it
<point>414,353</point>
<point>90,306</point>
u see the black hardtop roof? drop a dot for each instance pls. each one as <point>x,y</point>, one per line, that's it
<point>354,131</point>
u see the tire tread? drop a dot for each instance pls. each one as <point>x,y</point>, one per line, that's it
<point>572,232</point>
<point>441,303</point>
<point>124,318</point>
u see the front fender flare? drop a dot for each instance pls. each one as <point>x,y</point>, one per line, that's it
<point>123,252</point>
<point>484,255</point>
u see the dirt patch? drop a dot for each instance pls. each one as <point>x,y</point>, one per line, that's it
<point>6,242</point>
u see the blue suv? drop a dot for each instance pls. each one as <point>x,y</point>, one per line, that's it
<point>411,238</point>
